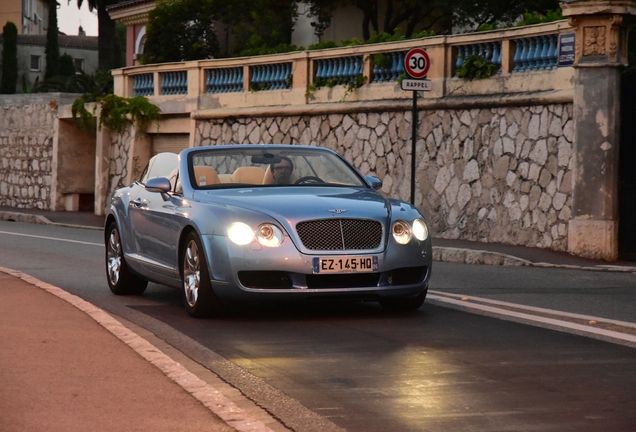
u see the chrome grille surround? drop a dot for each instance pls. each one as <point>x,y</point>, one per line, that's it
<point>340,234</point>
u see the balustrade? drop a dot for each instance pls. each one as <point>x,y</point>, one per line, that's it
<point>388,67</point>
<point>271,76</point>
<point>343,69</point>
<point>490,51</point>
<point>173,83</point>
<point>224,80</point>
<point>522,49</point>
<point>143,84</point>
<point>535,53</point>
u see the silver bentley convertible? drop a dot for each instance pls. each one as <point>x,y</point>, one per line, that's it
<point>265,222</point>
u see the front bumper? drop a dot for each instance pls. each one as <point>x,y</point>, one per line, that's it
<point>255,272</point>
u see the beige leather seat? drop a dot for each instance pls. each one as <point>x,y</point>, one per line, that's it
<point>249,175</point>
<point>225,178</point>
<point>205,176</point>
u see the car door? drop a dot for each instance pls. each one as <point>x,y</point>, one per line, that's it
<point>155,220</point>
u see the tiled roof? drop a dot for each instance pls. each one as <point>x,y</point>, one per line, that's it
<point>125,4</point>
<point>64,41</point>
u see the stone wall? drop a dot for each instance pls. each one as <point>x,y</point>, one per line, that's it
<point>493,175</point>
<point>27,129</point>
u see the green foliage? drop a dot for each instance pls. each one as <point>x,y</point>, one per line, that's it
<point>67,65</point>
<point>386,37</point>
<point>350,85</point>
<point>323,45</point>
<point>9,59</point>
<point>423,34</point>
<point>530,18</point>
<point>487,27</point>
<point>264,50</point>
<point>476,66</point>
<point>259,23</point>
<point>118,112</point>
<point>182,30</point>
<point>351,42</point>
<point>52,48</point>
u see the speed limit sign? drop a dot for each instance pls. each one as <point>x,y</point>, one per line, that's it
<point>417,63</point>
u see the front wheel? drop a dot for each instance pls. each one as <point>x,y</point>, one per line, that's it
<point>198,296</point>
<point>120,279</point>
<point>404,303</point>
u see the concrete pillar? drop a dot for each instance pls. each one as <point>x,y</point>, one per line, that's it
<point>601,54</point>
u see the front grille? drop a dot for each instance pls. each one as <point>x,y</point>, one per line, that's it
<point>340,234</point>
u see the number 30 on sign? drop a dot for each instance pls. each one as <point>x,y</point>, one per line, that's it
<point>417,63</point>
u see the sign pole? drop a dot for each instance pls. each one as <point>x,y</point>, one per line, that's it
<point>416,65</point>
<point>413,147</point>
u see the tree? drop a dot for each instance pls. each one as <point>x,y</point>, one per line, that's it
<point>441,15</point>
<point>106,32</point>
<point>67,66</point>
<point>9,59</point>
<point>52,49</point>
<point>181,30</point>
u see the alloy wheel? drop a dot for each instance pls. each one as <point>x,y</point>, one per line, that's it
<point>114,257</point>
<point>192,273</point>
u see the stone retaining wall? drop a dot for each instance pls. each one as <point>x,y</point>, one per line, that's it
<point>26,153</point>
<point>493,175</point>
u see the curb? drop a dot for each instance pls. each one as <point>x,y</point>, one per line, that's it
<point>39,219</point>
<point>482,257</point>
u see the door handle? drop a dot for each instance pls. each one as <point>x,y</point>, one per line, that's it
<point>136,203</point>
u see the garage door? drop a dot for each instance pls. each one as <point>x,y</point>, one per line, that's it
<point>173,143</point>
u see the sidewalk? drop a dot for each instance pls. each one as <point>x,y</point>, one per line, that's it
<point>60,371</point>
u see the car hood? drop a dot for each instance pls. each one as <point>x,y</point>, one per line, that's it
<point>293,204</point>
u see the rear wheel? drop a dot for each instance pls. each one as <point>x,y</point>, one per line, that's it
<point>120,279</point>
<point>404,303</point>
<point>198,297</point>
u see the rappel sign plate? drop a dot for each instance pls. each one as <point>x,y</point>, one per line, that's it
<point>417,63</point>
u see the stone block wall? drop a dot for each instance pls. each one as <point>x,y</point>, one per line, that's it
<point>493,175</point>
<point>27,129</point>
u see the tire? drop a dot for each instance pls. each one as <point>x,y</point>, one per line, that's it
<point>120,279</point>
<point>404,304</point>
<point>198,297</point>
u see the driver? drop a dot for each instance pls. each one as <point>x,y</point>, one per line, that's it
<point>282,171</point>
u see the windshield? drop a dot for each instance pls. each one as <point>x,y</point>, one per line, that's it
<point>241,166</point>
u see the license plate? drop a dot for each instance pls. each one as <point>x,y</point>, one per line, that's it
<point>364,264</point>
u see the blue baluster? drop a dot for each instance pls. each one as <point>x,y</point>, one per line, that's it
<point>280,78</point>
<point>256,76</point>
<point>461,53</point>
<point>171,82</point>
<point>231,80</point>
<point>532,54</point>
<point>496,55</point>
<point>288,74</point>
<point>400,64</point>
<point>237,80</point>
<point>553,52</point>
<point>488,52</point>
<point>523,58</point>
<point>328,69</point>
<point>320,69</point>
<point>184,82</point>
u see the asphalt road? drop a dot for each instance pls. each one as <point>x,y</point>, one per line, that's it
<point>365,369</point>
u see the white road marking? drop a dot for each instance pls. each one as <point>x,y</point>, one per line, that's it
<point>51,238</point>
<point>464,301</point>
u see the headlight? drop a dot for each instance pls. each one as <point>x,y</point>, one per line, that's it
<point>419,230</point>
<point>240,233</point>
<point>269,235</point>
<point>401,232</point>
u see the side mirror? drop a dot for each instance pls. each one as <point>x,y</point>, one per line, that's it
<point>159,184</point>
<point>373,181</point>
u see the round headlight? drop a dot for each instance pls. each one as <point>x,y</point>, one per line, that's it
<point>240,233</point>
<point>419,230</point>
<point>269,235</point>
<point>401,232</point>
